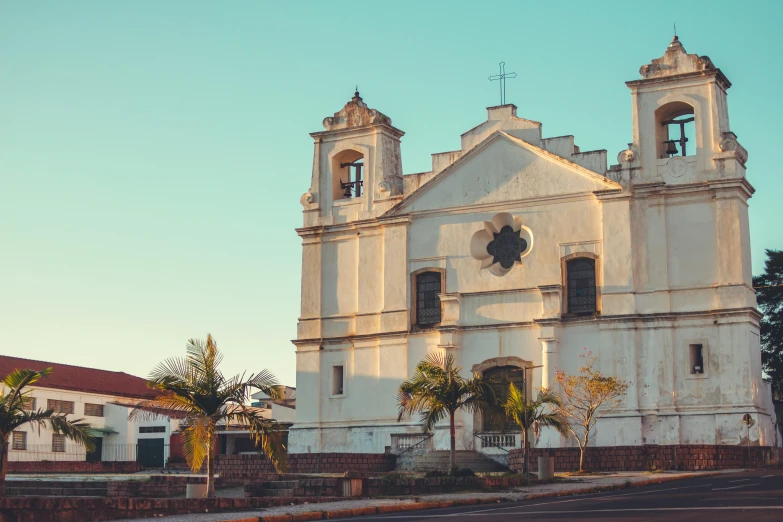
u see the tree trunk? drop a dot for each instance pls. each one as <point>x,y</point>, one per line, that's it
<point>582,450</point>
<point>524,451</point>
<point>453,435</point>
<point>210,470</point>
<point>3,465</point>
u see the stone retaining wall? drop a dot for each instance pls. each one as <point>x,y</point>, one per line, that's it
<point>251,466</point>
<point>386,486</point>
<point>73,467</point>
<point>686,457</point>
<point>161,486</point>
<point>57,509</point>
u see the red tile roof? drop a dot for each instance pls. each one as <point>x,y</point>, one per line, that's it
<point>78,378</point>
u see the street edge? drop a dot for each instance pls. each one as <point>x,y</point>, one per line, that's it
<point>419,506</point>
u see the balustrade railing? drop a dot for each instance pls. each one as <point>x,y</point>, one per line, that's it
<point>400,443</point>
<point>497,440</point>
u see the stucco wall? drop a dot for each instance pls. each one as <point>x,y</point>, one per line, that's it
<point>669,237</point>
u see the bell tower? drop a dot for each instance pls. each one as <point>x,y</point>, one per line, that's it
<point>681,128</point>
<point>357,169</point>
<point>686,169</point>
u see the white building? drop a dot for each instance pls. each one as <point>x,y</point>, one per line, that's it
<point>519,250</point>
<point>101,398</point>
<point>282,410</point>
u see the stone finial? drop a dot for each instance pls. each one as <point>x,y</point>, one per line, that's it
<point>729,144</point>
<point>676,61</point>
<point>355,114</point>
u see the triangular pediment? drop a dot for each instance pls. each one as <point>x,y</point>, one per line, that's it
<point>502,169</point>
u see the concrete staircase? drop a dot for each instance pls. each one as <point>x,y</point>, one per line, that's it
<point>439,461</point>
<point>56,488</point>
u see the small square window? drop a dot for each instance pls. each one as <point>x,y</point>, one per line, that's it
<point>60,406</point>
<point>58,442</point>
<point>28,404</point>
<point>19,440</point>
<point>696,353</point>
<point>337,380</point>
<point>93,410</point>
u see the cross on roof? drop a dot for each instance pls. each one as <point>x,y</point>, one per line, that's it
<point>502,79</point>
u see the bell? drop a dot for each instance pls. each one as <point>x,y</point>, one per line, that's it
<point>671,149</point>
<point>347,192</point>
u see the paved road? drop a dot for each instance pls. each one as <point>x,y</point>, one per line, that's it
<point>755,495</point>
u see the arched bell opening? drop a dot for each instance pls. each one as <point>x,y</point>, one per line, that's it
<point>675,130</point>
<point>347,175</point>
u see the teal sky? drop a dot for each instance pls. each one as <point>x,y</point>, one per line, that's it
<point>152,154</point>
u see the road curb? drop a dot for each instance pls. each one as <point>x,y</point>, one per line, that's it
<point>598,489</point>
<point>420,506</point>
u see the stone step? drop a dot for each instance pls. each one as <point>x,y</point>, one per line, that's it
<point>439,461</point>
<point>58,483</point>
<point>283,484</point>
<point>275,492</point>
<point>59,492</point>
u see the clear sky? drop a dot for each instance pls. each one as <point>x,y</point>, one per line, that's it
<point>152,154</point>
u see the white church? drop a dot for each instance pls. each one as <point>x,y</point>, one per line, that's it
<point>518,251</point>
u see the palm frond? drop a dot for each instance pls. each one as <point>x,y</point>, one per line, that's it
<point>20,379</point>
<point>266,382</point>
<point>265,433</point>
<point>435,414</point>
<point>76,430</point>
<point>174,370</point>
<point>197,439</point>
<point>165,400</point>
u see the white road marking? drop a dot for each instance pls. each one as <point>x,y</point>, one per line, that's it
<point>735,487</point>
<point>739,480</point>
<point>768,476</point>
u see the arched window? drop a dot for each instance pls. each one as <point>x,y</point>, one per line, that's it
<point>495,419</point>
<point>428,284</point>
<point>581,287</point>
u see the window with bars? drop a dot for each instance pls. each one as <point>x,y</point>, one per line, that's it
<point>428,286</point>
<point>581,286</point>
<point>28,404</point>
<point>58,442</point>
<point>19,441</point>
<point>59,406</point>
<point>152,429</point>
<point>93,410</point>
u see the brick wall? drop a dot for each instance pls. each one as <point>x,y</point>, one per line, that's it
<point>73,467</point>
<point>648,457</point>
<point>386,486</point>
<point>251,466</point>
<point>161,486</point>
<point>59,509</point>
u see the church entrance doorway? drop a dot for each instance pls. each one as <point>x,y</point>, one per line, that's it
<point>496,420</point>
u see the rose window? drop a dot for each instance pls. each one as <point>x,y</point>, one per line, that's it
<point>501,244</point>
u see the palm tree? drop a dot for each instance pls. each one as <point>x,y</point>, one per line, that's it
<point>13,415</point>
<point>437,389</point>
<point>536,415</point>
<point>194,386</point>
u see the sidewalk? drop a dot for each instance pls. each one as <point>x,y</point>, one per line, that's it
<point>363,507</point>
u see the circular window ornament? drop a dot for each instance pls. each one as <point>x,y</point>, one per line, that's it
<point>501,244</point>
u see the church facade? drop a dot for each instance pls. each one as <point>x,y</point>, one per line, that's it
<point>523,251</point>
